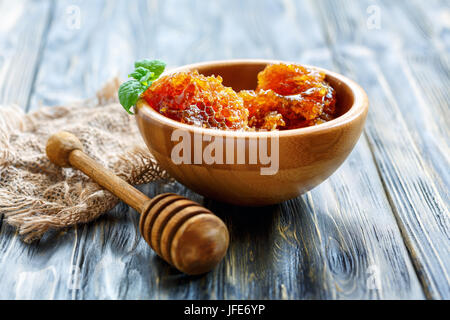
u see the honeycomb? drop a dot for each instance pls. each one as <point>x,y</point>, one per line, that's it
<point>192,98</point>
<point>287,97</point>
<point>301,95</point>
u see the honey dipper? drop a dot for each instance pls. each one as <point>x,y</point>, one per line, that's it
<point>181,231</point>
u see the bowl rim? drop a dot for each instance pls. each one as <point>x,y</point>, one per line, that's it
<point>358,109</point>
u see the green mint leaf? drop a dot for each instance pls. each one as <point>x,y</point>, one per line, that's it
<point>138,73</point>
<point>145,72</point>
<point>129,93</point>
<point>155,66</point>
<point>148,76</point>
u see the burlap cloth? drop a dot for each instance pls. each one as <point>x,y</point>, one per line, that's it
<point>35,195</point>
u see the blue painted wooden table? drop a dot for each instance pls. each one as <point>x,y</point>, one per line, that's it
<point>378,228</point>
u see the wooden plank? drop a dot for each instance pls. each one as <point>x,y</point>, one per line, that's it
<point>339,241</point>
<point>82,57</point>
<point>23,28</point>
<point>86,47</point>
<point>429,21</point>
<point>22,35</point>
<point>412,151</point>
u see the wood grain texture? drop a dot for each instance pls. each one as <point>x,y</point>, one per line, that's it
<point>24,25</point>
<point>339,241</point>
<point>400,73</point>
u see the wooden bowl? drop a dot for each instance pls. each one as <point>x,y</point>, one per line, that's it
<point>307,156</point>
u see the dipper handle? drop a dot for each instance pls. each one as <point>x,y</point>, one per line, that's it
<point>179,230</point>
